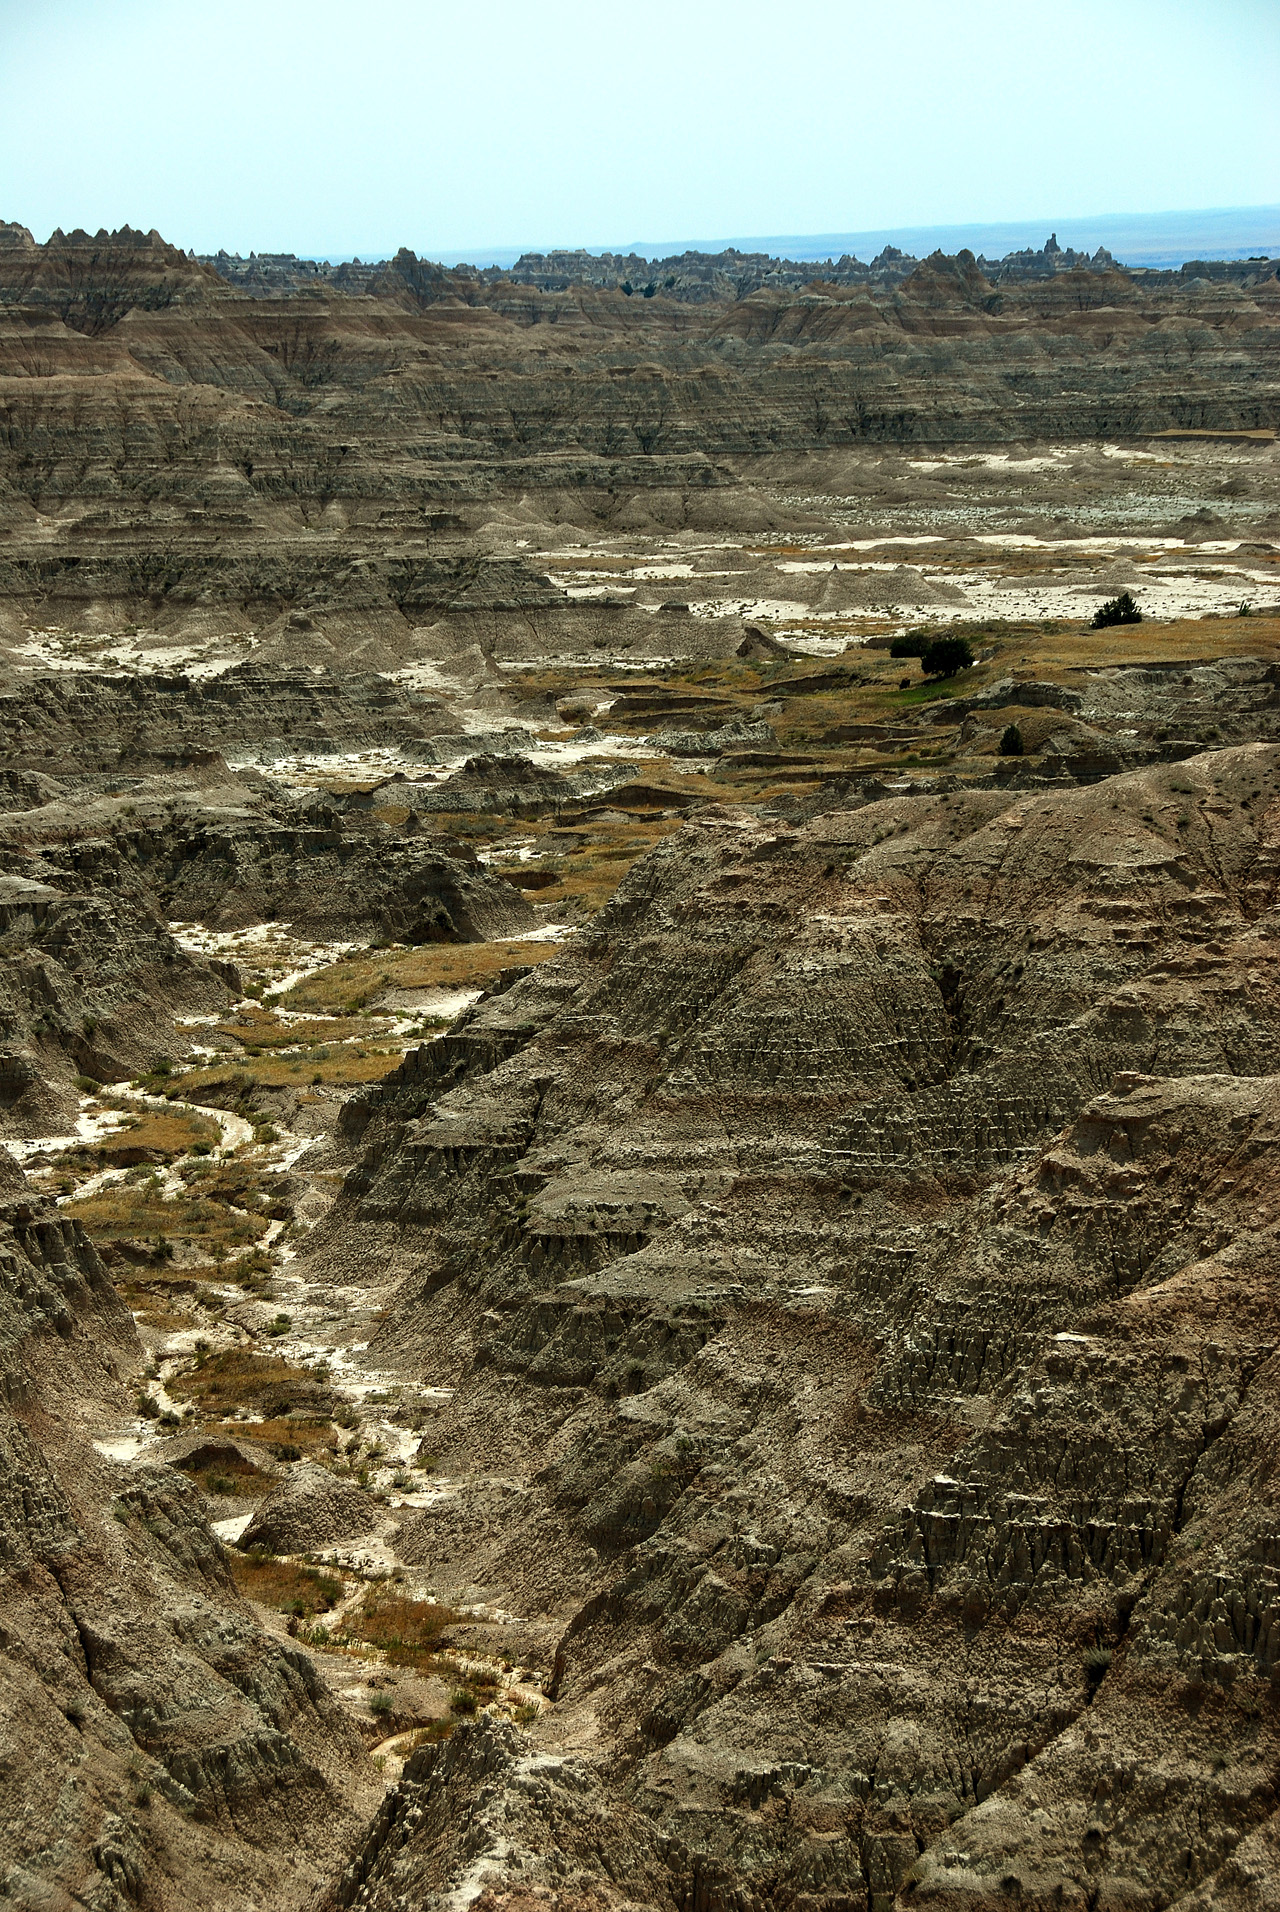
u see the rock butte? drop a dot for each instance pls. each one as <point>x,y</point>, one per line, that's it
<point>637,1245</point>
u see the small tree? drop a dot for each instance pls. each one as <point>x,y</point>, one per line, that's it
<point>1011,744</point>
<point>910,644</point>
<point>1116,610</point>
<point>947,655</point>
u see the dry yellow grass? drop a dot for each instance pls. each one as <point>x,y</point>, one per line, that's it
<point>265,1383</point>
<point>314,1438</point>
<point>161,1134</point>
<point>150,1136</point>
<point>447,966</point>
<point>1198,639</point>
<point>260,1029</point>
<point>139,1213</point>
<point>285,1586</point>
<point>349,1063</point>
<point>407,1631</point>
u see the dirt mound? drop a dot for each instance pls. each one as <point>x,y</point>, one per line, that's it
<point>311,1509</point>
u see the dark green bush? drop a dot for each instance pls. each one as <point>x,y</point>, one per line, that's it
<point>947,655</point>
<point>910,644</point>
<point>1116,610</point>
<point>1011,744</point>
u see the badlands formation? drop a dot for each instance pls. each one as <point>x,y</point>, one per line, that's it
<point>638,1243</point>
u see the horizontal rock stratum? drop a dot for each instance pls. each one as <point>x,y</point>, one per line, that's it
<point>861,1245</point>
<point>122,356</point>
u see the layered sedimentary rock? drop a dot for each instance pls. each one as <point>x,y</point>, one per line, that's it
<point>859,1249</point>
<point>156,1746</point>
<point>90,984</point>
<point>92,979</point>
<point>402,395</point>
<point>91,721</point>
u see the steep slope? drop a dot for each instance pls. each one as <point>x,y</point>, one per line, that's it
<point>855,1263</point>
<point>157,1748</point>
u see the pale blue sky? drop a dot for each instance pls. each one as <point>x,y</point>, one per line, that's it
<point>321,127</point>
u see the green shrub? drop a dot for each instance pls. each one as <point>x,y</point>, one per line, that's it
<point>1011,744</point>
<point>947,655</point>
<point>911,644</point>
<point>381,1704</point>
<point>1116,610</point>
<point>462,1702</point>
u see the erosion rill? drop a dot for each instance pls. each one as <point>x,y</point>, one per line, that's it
<point>638,1239</point>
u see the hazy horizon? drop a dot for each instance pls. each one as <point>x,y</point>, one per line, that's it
<point>1144,239</point>
<point>284,127</point>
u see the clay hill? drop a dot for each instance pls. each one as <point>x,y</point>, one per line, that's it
<point>858,1257</point>
<point>176,438</point>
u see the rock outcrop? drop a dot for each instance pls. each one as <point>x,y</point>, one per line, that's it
<point>860,1246</point>
<point>131,725</point>
<point>310,1510</point>
<point>91,984</point>
<point>157,1747</point>
<point>401,397</point>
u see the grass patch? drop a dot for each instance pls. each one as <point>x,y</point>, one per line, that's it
<point>229,1087</point>
<point>285,1586</point>
<point>240,1184</point>
<point>243,1481</point>
<point>154,1136</point>
<point>358,980</point>
<point>264,1383</point>
<point>290,1440</point>
<point>260,1029</point>
<point>158,1136</point>
<point>408,1632</point>
<point>140,1212</point>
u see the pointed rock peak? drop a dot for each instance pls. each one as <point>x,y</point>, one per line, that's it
<point>941,276</point>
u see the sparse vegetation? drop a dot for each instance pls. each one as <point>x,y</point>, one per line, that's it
<point>284,1585</point>
<point>238,1377</point>
<point>408,1632</point>
<point>348,986</point>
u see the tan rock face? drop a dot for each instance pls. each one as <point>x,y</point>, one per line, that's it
<point>898,1450</point>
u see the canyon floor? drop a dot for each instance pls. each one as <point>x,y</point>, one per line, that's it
<point>637,1248</point>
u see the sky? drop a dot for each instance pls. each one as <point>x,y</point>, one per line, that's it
<point>332,129</point>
